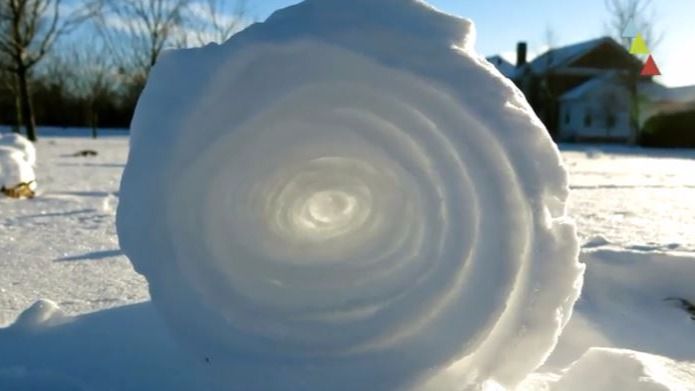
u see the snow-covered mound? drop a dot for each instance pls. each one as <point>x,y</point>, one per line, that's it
<point>347,195</point>
<point>19,142</point>
<point>15,169</point>
<point>43,313</point>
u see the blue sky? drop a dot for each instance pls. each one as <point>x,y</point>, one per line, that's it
<point>501,23</point>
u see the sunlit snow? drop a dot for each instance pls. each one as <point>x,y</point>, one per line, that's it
<point>383,210</point>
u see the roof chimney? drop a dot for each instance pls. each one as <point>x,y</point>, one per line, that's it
<point>521,49</point>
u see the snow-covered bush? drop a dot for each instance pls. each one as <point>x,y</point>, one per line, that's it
<point>348,196</point>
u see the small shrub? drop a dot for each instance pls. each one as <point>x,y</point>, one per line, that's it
<point>674,130</point>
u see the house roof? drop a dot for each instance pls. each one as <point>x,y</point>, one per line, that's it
<point>553,58</point>
<point>565,55</point>
<point>652,90</point>
<point>581,90</point>
<point>505,67</point>
<point>660,93</point>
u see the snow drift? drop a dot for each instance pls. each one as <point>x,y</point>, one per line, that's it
<point>348,195</point>
<point>619,369</point>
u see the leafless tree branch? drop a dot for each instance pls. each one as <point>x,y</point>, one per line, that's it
<point>621,12</point>
<point>28,31</point>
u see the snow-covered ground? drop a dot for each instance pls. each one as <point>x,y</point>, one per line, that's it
<point>62,245</point>
<point>640,199</point>
<point>634,208</point>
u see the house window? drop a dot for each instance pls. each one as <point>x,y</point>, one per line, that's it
<point>587,120</point>
<point>610,121</point>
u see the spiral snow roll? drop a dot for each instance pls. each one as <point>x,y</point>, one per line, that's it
<point>333,200</point>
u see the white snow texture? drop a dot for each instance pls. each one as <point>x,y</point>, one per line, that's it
<point>620,369</point>
<point>20,143</point>
<point>17,159</point>
<point>348,195</point>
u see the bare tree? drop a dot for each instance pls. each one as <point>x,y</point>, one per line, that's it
<point>9,86</point>
<point>137,31</point>
<point>92,76</point>
<point>640,13</point>
<point>57,71</point>
<point>217,20</point>
<point>28,31</point>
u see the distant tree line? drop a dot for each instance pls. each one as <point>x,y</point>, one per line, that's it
<point>55,103</point>
<point>85,65</point>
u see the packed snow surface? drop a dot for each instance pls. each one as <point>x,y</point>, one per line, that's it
<point>348,194</point>
<point>616,369</point>
<point>62,245</point>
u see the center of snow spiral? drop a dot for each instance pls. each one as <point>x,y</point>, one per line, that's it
<point>325,214</point>
<point>329,209</point>
<point>324,199</point>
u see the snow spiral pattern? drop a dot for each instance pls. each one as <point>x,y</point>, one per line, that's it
<point>311,216</point>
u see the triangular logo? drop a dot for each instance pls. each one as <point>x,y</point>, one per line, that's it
<point>630,30</point>
<point>650,68</point>
<point>638,45</point>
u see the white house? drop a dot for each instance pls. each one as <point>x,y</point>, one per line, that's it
<point>575,89</point>
<point>582,92</point>
<point>596,110</point>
